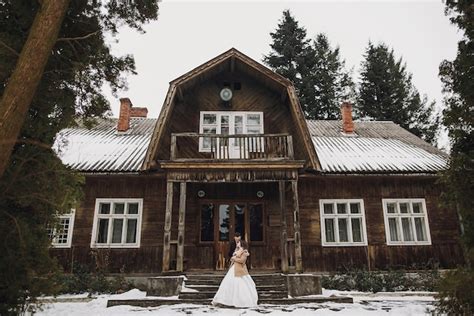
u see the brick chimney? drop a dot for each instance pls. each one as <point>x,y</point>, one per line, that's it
<point>124,117</point>
<point>138,112</point>
<point>346,114</point>
<point>127,111</point>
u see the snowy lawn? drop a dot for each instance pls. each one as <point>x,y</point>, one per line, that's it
<point>398,303</point>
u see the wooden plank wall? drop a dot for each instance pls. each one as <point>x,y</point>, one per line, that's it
<point>199,255</point>
<point>147,258</point>
<point>445,249</point>
<point>253,96</point>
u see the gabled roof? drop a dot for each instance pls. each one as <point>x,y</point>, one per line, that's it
<point>378,147</point>
<point>102,148</point>
<point>231,55</point>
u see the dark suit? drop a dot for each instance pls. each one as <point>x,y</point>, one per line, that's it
<point>232,248</point>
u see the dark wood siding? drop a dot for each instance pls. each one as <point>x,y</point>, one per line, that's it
<point>445,249</point>
<point>200,255</point>
<point>253,96</point>
<point>148,257</point>
<point>444,225</point>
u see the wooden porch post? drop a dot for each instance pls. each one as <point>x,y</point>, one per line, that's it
<point>283,233</point>
<point>167,228</point>
<point>296,224</point>
<point>182,215</point>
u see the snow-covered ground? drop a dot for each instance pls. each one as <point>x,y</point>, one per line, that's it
<point>398,303</point>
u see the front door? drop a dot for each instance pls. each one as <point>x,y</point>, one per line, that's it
<point>220,221</point>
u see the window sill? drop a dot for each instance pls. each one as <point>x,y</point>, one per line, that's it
<point>325,244</point>
<point>424,243</point>
<point>115,246</point>
<point>61,246</point>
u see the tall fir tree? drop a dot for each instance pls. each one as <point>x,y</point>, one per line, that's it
<point>36,185</point>
<point>386,92</point>
<point>316,70</point>
<point>329,79</point>
<point>290,55</point>
<point>457,287</point>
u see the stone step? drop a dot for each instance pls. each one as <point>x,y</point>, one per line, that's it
<point>190,283</point>
<point>210,294</point>
<point>296,285</point>
<point>222,273</point>
<point>220,276</point>
<point>279,278</point>
<point>200,287</point>
<point>270,280</point>
<point>281,301</point>
<point>259,291</point>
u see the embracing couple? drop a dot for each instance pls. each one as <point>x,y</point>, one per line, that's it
<point>237,288</point>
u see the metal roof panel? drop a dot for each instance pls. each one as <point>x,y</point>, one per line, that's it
<point>103,149</point>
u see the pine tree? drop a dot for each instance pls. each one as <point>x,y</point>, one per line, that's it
<point>316,70</point>
<point>457,288</point>
<point>386,92</point>
<point>332,84</point>
<point>36,185</point>
<point>291,52</point>
<point>22,84</point>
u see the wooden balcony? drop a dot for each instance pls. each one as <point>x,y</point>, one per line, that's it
<point>245,147</point>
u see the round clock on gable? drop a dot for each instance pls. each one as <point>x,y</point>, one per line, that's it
<point>226,94</point>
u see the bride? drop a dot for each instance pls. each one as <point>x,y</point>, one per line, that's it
<point>237,288</point>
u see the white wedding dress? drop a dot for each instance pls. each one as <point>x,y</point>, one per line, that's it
<point>236,291</point>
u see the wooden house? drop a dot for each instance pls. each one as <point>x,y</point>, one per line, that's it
<point>232,152</point>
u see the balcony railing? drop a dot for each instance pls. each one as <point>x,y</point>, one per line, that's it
<point>194,146</point>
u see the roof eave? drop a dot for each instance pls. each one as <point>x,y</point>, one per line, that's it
<point>383,173</point>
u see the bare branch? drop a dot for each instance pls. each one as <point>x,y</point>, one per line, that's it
<point>10,49</point>
<point>18,229</point>
<point>62,39</point>
<point>26,141</point>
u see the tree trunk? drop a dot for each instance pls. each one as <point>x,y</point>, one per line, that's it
<point>26,76</point>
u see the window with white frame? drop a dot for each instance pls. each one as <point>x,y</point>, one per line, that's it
<point>406,222</point>
<point>343,222</point>
<point>228,123</point>
<point>61,234</point>
<point>117,223</point>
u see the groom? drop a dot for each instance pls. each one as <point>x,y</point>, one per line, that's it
<point>233,244</point>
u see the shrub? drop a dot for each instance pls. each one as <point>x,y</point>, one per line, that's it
<point>82,280</point>
<point>456,292</point>
<point>390,281</point>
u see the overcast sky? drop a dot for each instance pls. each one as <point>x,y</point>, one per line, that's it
<point>188,33</point>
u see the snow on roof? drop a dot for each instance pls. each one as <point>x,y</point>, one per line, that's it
<point>103,149</point>
<point>377,147</point>
<point>374,155</point>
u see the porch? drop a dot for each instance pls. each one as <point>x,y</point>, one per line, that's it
<point>272,288</point>
<point>197,238</point>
